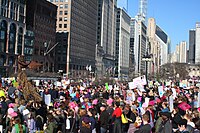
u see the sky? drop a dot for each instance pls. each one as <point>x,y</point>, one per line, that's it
<point>175,17</point>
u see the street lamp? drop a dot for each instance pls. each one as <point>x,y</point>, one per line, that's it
<point>147,58</point>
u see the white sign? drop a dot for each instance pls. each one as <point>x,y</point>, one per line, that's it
<point>198,101</point>
<point>1,129</point>
<point>147,100</point>
<point>37,82</point>
<point>160,91</point>
<point>132,85</point>
<point>171,103</point>
<point>47,99</point>
<point>140,80</point>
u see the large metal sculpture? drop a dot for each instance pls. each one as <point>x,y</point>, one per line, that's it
<point>28,90</point>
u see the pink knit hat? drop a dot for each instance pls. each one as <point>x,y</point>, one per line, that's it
<point>151,102</point>
<point>109,101</point>
<point>94,102</point>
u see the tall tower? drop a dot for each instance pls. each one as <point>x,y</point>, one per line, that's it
<point>142,14</point>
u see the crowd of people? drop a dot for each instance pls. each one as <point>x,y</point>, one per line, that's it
<point>81,108</point>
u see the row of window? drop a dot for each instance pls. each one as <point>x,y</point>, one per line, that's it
<point>61,6</point>
<point>61,19</point>
<point>63,13</point>
<point>62,26</point>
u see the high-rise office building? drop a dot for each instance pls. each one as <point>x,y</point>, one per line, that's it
<point>183,52</point>
<point>79,20</point>
<point>132,39</point>
<point>62,30</point>
<point>122,44</point>
<point>142,13</point>
<point>12,29</point>
<point>106,37</point>
<point>41,19</point>
<point>159,46</point>
<point>63,15</point>
<point>197,44</point>
<point>140,45</point>
<point>134,46</point>
<point>180,54</point>
<point>192,46</point>
<point>162,39</point>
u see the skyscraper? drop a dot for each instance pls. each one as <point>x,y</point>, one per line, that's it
<point>197,44</point>
<point>122,44</point>
<point>62,30</point>
<point>183,52</point>
<point>192,46</point>
<point>106,36</point>
<point>142,14</point>
<point>81,25</point>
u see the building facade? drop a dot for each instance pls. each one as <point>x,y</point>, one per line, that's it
<point>42,20</point>
<point>12,29</point>
<point>133,38</point>
<point>76,34</point>
<point>63,15</point>
<point>122,44</point>
<point>192,46</point>
<point>106,36</point>
<point>82,42</point>
<point>197,44</point>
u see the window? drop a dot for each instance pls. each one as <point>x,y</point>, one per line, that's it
<point>65,18</point>
<point>60,19</point>
<point>66,12</point>
<point>56,0</point>
<point>60,25</point>
<point>66,6</point>
<point>61,0</point>
<point>61,6</point>
<point>65,25</point>
<point>61,13</point>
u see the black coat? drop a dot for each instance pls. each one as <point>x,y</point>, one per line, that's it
<point>104,118</point>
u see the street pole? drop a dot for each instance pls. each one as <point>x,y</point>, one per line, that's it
<point>146,73</point>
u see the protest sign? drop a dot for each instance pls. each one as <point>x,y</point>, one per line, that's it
<point>47,99</point>
<point>106,84</point>
<point>198,101</point>
<point>140,80</point>
<point>171,103</point>
<point>160,91</point>
<point>147,100</point>
<point>132,85</point>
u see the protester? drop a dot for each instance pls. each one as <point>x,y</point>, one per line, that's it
<point>86,107</point>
